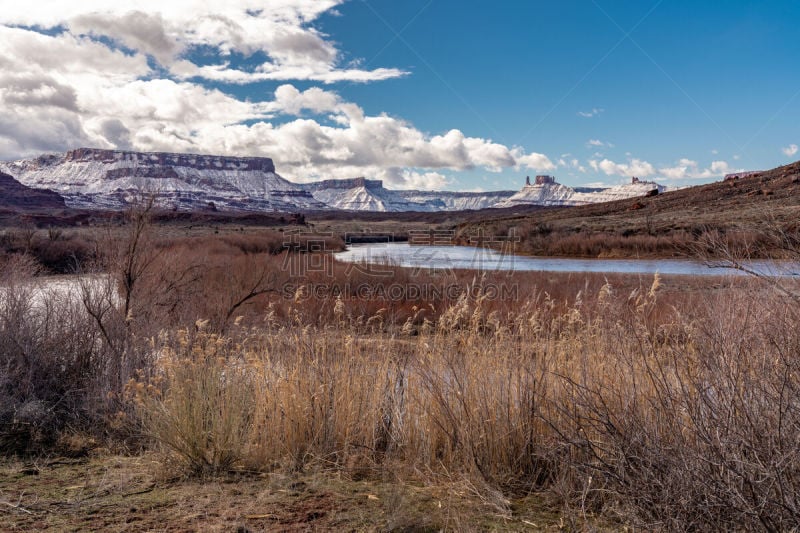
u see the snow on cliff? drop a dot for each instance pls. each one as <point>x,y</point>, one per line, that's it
<point>456,201</point>
<point>620,192</point>
<point>95,178</point>
<point>109,178</point>
<point>546,191</point>
<point>366,199</point>
<point>361,194</point>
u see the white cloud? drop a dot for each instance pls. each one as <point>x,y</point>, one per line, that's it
<point>790,150</point>
<point>410,179</point>
<point>96,73</point>
<point>165,115</point>
<point>720,167</point>
<point>280,30</point>
<point>572,164</point>
<point>591,113</point>
<point>291,101</point>
<point>598,143</point>
<point>687,169</point>
<point>534,161</point>
<point>634,167</point>
<point>684,169</point>
<point>357,144</point>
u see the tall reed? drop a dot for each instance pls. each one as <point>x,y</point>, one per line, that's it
<point>679,420</point>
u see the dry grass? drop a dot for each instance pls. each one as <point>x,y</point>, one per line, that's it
<point>122,493</point>
<point>665,409</point>
<point>675,420</point>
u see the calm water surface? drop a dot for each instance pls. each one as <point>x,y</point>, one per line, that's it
<point>467,257</point>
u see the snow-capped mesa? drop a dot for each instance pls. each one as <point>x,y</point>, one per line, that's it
<point>633,189</point>
<point>456,201</point>
<point>109,179</point>
<point>361,194</point>
<point>546,191</point>
<point>93,178</point>
<point>543,191</point>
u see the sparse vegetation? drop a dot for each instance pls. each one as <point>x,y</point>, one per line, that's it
<point>661,404</point>
<point>617,405</point>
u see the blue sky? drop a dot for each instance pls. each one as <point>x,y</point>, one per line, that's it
<point>421,93</point>
<point>691,79</point>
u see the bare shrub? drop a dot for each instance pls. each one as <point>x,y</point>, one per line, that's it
<point>47,360</point>
<point>64,254</point>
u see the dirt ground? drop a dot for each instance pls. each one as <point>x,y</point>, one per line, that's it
<point>118,493</point>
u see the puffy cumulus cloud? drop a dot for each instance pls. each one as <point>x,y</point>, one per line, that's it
<point>135,30</point>
<point>377,146</point>
<point>98,73</point>
<point>167,115</point>
<point>790,150</point>
<point>720,167</point>
<point>487,154</point>
<point>73,57</point>
<point>684,169</point>
<point>24,133</point>
<point>411,179</point>
<point>280,31</point>
<point>688,169</point>
<point>634,167</point>
<point>534,161</point>
<point>291,101</point>
<point>140,103</point>
<point>44,84</point>
<point>31,91</point>
<point>355,144</point>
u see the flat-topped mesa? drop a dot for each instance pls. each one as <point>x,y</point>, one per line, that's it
<point>637,181</point>
<point>546,191</point>
<point>92,178</point>
<point>195,161</point>
<point>344,184</point>
<point>545,180</point>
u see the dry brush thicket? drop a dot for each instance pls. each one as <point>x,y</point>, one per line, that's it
<point>673,412</point>
<point>671,420</point>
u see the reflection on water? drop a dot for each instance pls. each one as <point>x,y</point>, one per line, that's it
<point>467,257</point>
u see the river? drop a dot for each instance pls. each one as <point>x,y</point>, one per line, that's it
<point>467,257</point>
